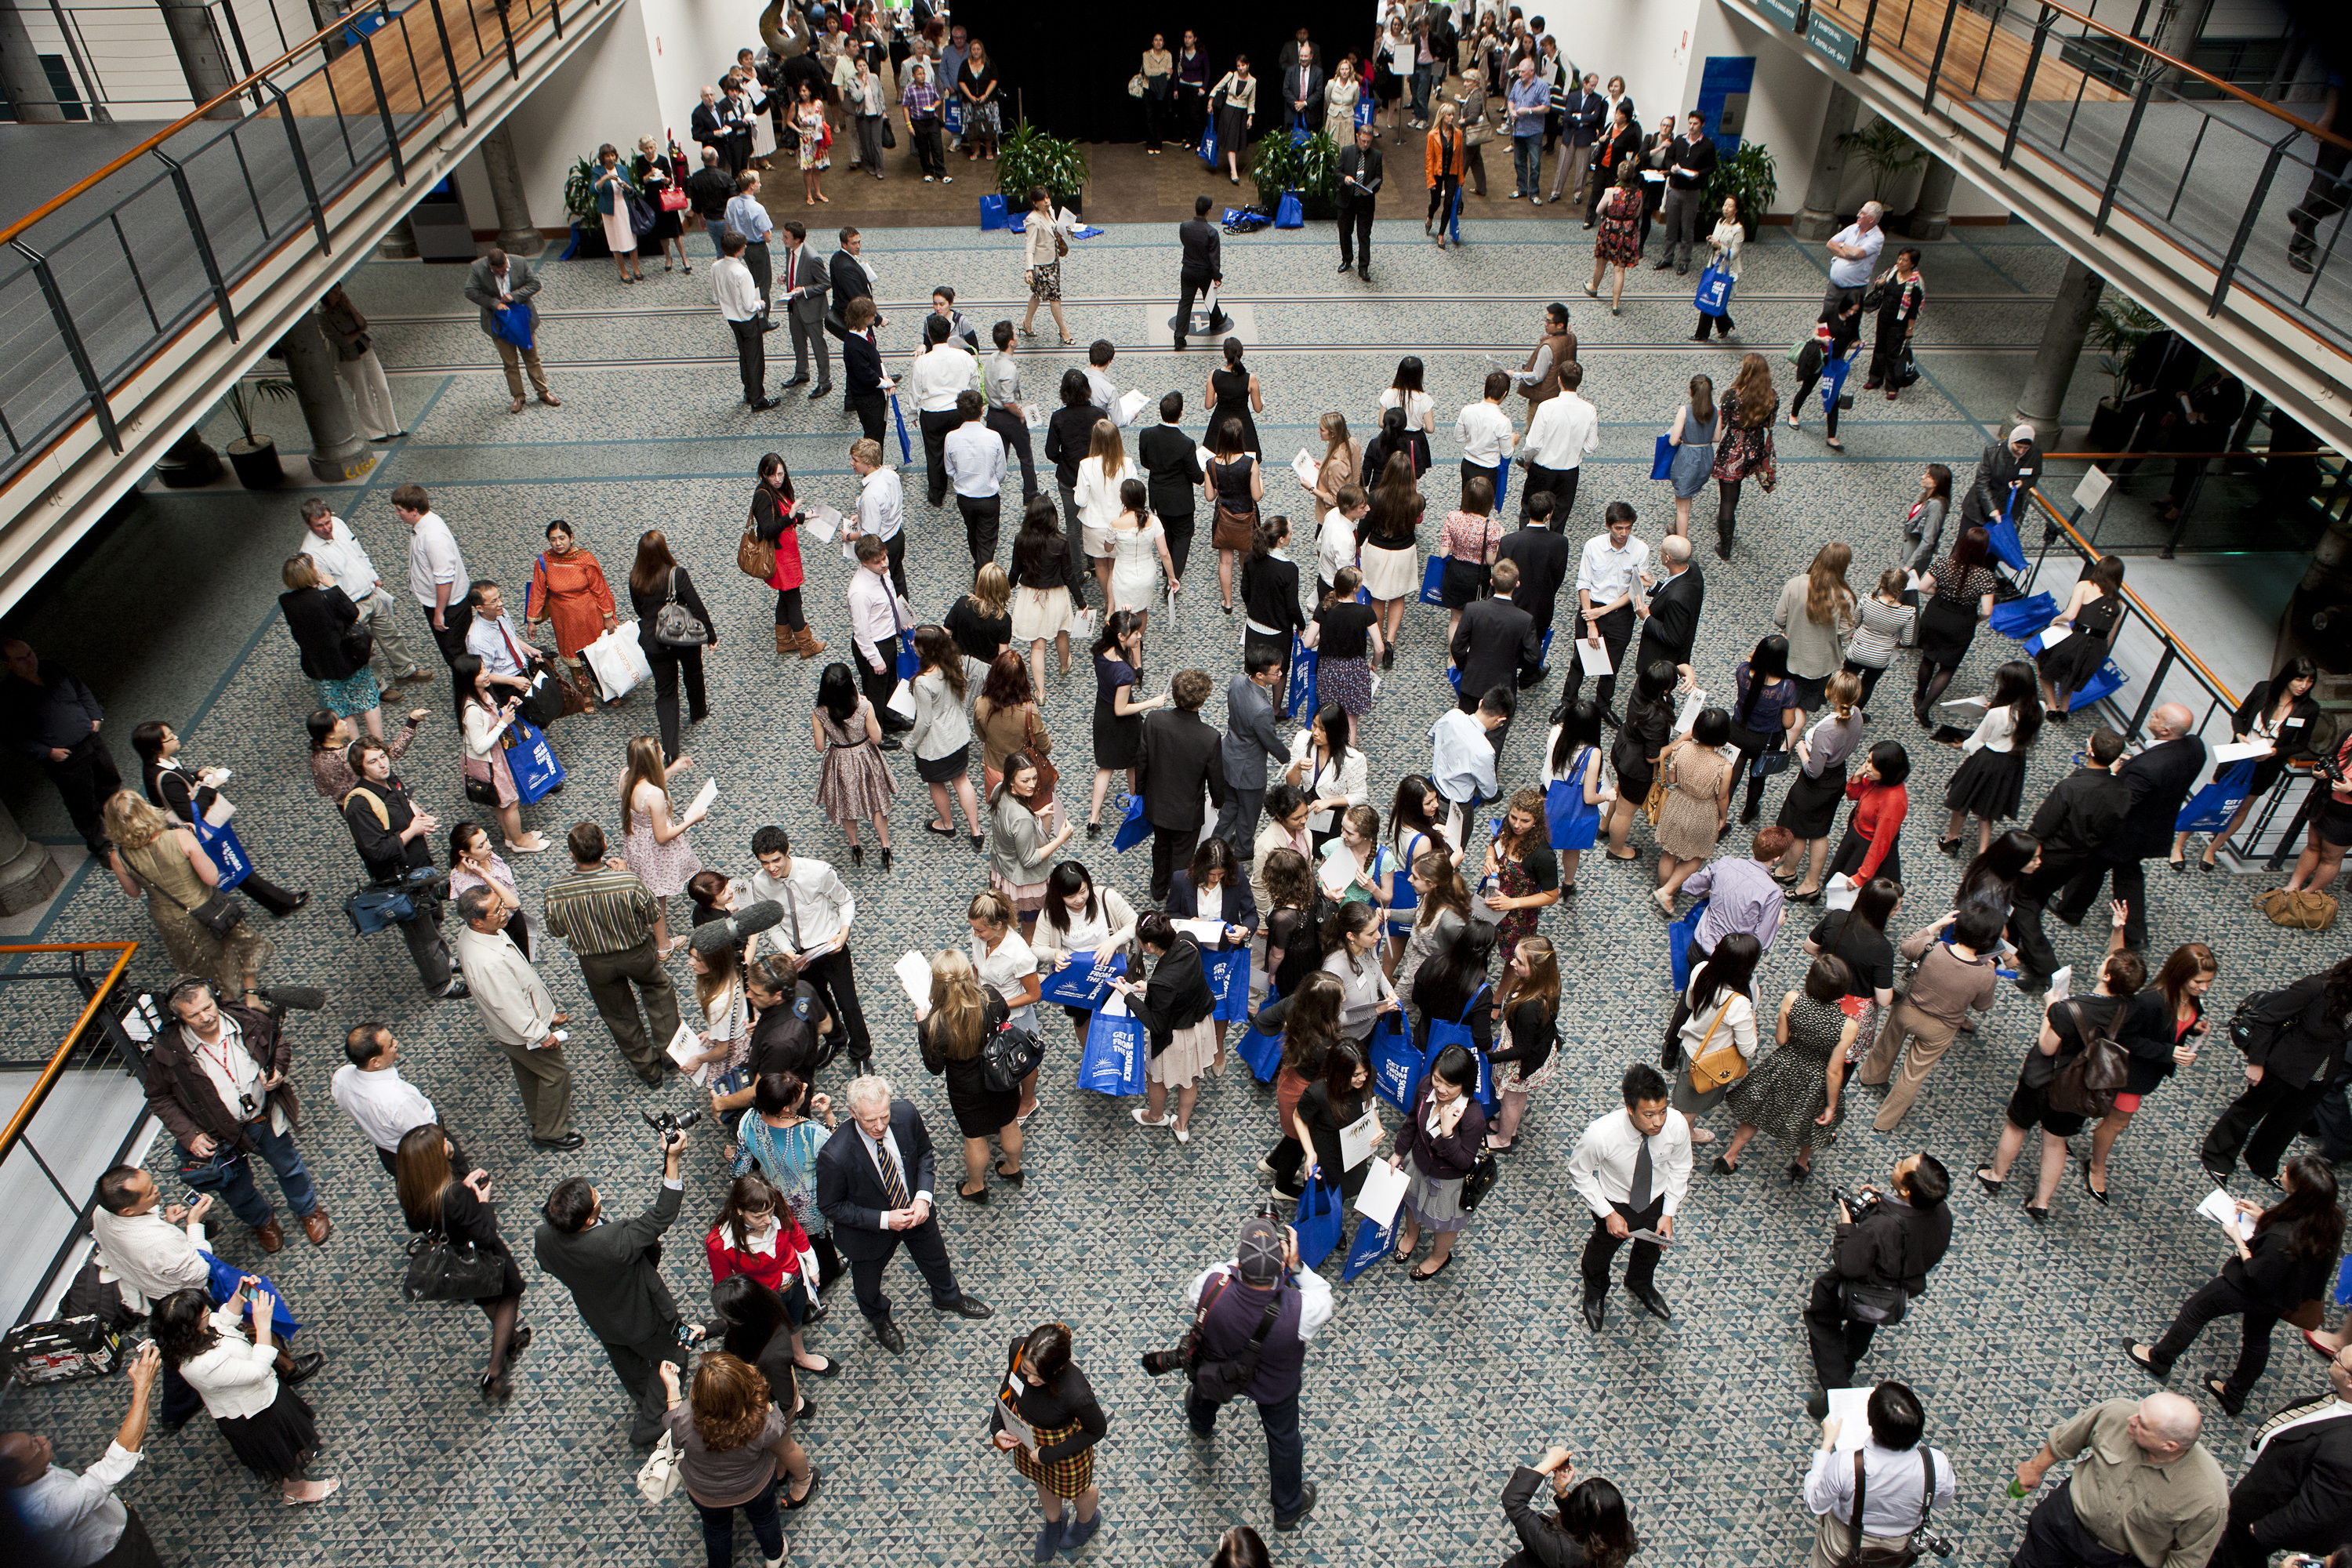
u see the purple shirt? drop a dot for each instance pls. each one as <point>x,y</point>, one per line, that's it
<point>1741,896</point>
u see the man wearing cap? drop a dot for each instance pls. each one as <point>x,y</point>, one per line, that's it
<point>1233,1300</point>
<point>2003,468</point>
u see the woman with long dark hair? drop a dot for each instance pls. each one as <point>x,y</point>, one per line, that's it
<point>1529,1011</point>
<point>1441,912</point>
<point>1872,846</point>
<point>1052,1397</point>
<point>1388,543</point>
<point>754,1234</point>
<point>1212,888</point>
<point>1590,1531</point>
<point>775,517</point>
<point>1396,435</point>
<point>655,579</point>
<point>761,1328</point>
<point>1349,937</point>
<point>1436,1149</point>
<point>1270,612</point>
<point>2090,614</point>
<point>2286,1255</point>
<point>1520,878</point>
<point>2162,1031</point>
<point>1080,918</point>
<point>1325,764</point>
<point>434,1199</point>
<point>1649,726</point>
<point>1308,1016</point>
<point>1717,1008</point>
<point>264,1423</point>
<point>1923,525</point>
<point>2067,1029</point>
<point>1119,707</point>
<point>786,1127</point>
<point>853,781</point>
<point>1989,785</point>
<point>962,1015</point>
<point>1404,391</point>
<point>1957,594</point>
<point>1765,716</point>
<point>1856,937</point>
<point>2283,711</point>
<point>735,1449</point>
<point>1338,1099</point>
<point>1414,813</point>
<point>1991,876</point>
<point>1452,987</point>
<point>1743,443</point>
<point>484,716</point>
<point>1005,713</point>
<point>1233,482</point>
<point>1293,948</point>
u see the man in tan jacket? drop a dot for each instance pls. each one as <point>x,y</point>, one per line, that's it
<point>519,1014</point>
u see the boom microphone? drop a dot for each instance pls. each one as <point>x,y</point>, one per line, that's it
<point>712,936</point>
<point>300,998</point>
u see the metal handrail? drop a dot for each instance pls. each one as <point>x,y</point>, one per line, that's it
<point>39,1093</point>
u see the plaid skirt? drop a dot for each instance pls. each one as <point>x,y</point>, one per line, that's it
<point>1065,1478</point>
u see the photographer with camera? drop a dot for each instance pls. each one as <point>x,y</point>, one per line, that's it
<point>394,840</point>
<point>1252,1319</point>
<point>613,1272</point>
<point>1883,1246</point>
<point>1885,1486</point>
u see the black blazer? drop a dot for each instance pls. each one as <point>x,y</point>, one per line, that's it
<point>1068,433</point>
<point>317,618</point>
<point>1544,1540</point>
<point>861,364</point>
<point>1171,467</point>
<point>1184,904</point>
<point>1542,557</point>
<point>2160,779</point>
<point>177,793</point>
<point>1270,593</point>
<point>1364,163</point>
<point>1894,1245</point>
<point>1180,758</point>
<point>2297,1495</point>
<point>1495,639</point>
<point>848,281</point>
<point>1177,997</point>
<point>1673,626</point>
<point>2294,742</point>
<point>648,606</point>
<point>613,1272</point>
<point>2275,1277</point>
<point>2306,1038</point>
<point>1204,250</point>
<point>849,1189</point>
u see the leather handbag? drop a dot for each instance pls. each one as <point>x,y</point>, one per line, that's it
<point>2087,1086</point>
<point>1479,1180</point>
<point>755,557</point>
<point>1048,775</point>
<point>481,783</point>
<point>441,1269</point>
<point>1009,1056</point>
<point>675,626</point>
<point>218,914</point>
<point>1722,1066</point>
<point>673,200</point>
<point>659,1478</point>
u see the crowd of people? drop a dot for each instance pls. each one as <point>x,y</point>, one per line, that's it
<point>1403,951</point>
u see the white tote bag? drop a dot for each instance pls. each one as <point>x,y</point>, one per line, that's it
<point>619,661</point>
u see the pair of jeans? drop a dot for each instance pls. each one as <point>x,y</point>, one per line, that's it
<point>767,1527</point>
<point>1527,164</point>
<point>1286,1450</point>
<point>229,1172</point>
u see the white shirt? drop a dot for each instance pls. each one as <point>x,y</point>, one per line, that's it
<point>1996,732</point>
<point>1420,408</point>
<point>1111,925</point>
<point>1103,392</point>
<point>1855,274</point>
<point>342,560</point>
<point>738,295</point>
<point>1608,574</point>
<point>234,1377</point>
<point>1485,432</point>
<point>1004,381</point>
<point>148,1256</point>
<point>77,1519</point>
<point>1344,774</point>
<point>973,455</point>
<point>1894,1480</point>
<point>1566,430</point>
<point>233,1073</point>
<point>433,559</point>
<point>817,907</point>
<point>881,504</point>
<point>2334,1410</point>
<point>1096,496</point>
<point>495,645</point>
<point>876,614</point>
<point>1602,1166</point>
<point>1461,758</point>
<point>938,373</point>
<point>384,1104</point>
<point>1314,1296</point>
<point>1008,971</point>
<point>1335,546</point>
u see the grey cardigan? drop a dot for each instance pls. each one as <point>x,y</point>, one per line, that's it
<point>1016,842</point>
<point>941,725</point>
<point>1814,652</point>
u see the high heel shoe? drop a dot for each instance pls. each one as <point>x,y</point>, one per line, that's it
<point>1990,1186</point>
<point>2095,1191</point>
<point>1948,846</point>
<point>858,854</point>
<point>886,857</point>
<point>518,1343</point>
<point>494,1385</point>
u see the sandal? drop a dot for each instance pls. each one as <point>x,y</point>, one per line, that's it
<point>1068,342</point>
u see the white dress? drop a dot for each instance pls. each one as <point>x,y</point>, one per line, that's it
<point>1135,565</point>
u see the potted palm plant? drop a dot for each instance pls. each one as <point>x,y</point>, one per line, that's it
<point>255,458</point>
<point>2116,329</point>
<point>579,206</point>
<point>1030,158</point>
<point>1889,155</point>
<point>1749,176</point>
<point>1309,169</point>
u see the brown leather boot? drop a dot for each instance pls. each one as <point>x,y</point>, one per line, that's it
<point>806,641</point>
<point>784,642</point>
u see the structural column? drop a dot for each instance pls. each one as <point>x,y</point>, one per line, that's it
<point>27,85</point>
<point>518,236</point>
<point>337,452</point>
<point>203,61</point>
<point>1931,214</point>
<point>1818,220</point>
<point>29,872</point>
<point>399,241</point>
<point>2061,348</point>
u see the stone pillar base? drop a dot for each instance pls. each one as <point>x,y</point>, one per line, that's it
<point>29,873</point>
<point>399,243</point>
<point>1815,227</point>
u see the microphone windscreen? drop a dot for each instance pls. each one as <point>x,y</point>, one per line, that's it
<point>714,936</point>
<point>300,998</point>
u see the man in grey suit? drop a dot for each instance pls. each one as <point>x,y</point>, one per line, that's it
<point>495,279</point>
<point>803,282</point>
<point>1250,737</point>
<point>612,1270</point>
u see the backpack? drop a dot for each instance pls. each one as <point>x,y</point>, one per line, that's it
<point>2253,1027</point>
<point>1220,1381</point>
<point>2088,1085</point>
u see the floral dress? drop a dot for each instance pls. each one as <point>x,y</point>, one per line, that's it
<point>853,782</point>
<point>787,1157</point>
<point>1618,243</point>
<point>816,137</point>
<point>1741,450</point>
<point>1785,1092</point>
<point>664,868</point>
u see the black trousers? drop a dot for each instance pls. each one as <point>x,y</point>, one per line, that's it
<point>1356,235</point>
<point>834,979</point>
<point>2260,1124</point>
<point>871,408</point>
<point>750,358</point>
<point>928,1251</point>
<point>1649,650</point>
<point>1170,847</point>
<point>638,1366</point>
<point>2219,1298</point>
<point>755,257</point>
<point>2034,953</point>
<point>1178,527</point>
<point>881,685</point>
<point>85,781</point>
<point>2055,1538</point>
<point>668,664</point>
<point>1561,485</point>
<point>421,932</point>
<point>1838,1342</point>
<point>278,901</point>
<point>935,463</point>
<point>2129,884</point>
<point>1616,632</point>
<point>1015,431</point>
<point>457,618</point>
<point>1603,1248</point>
<point>982,515</point>
<point>1190,285</point>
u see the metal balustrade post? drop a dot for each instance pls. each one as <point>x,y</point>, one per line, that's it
<point>2122,153</point>
<point>1935,67</point>
<point>555,15</point>
<point>449,58</point>
<point>2155,684</point>
<point>505,32</point>
<point>383,108</point>
<point>2229,269</point>
<point>302,169</point>
<point>1862,44</point>
<point>203,243</point>
<point>74,349</point>
<point>2025,88</point>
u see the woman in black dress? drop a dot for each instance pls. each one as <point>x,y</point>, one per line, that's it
<point>2092,610</point>
<point>2283,711</point>
<point>963,1014</point>
<point>655,580</point>
<point>1346,638</point>
<point>1961,595</point>
<point>1233,482</point>
<point>1118,709</point>
<point>1395,435</point>
<point>1991,784</point>
<point>1293,950</point>
<point>435,1198</point>
<point>654,175</point>
<point>982,623</point>
<point>1649,725</point>
<point>1270,612</point>
<point>1856,937</point>
<point>1233,393</point>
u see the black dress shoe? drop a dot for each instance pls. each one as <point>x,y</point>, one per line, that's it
<point>763,406</point>
<point>891,743</point>
<point>1818,1406</point>
<point>301,899</point>
<point>1290,1521</point>
<point>967,1307</point>
<point>1365,273</point>
<point>1595,1313</point>
<point>1347,267</point>
<point>305,1367</point>
<point>887,1334</point>
<point>1651,1302</point>
<point>820,392</point>
<point>565,1144</point>
<point>797,381</point>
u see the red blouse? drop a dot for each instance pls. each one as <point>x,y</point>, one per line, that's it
<point>1878,814</point>
<point>774,1270</point>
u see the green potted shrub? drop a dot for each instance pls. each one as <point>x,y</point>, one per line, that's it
<point>2116,329</point>
<point>255,458</point>
<point>1310,168</point>
<point>1748,175</point>
<point>1029,158</point>
<point>579,206</point>
<point>1889,155</point>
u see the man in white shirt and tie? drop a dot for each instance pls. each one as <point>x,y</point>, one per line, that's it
<point>878,617</point>
<point>491,637</point>
<point>881,508</point>
<point>1632,1167</point>
<point>1895,1467</point>
<point>818,911</point>
<point>942,370</point>
<point>71,1521</point>
<point>1485,432</point>
<point>745,308</point>
<point>975,460</point>
<point>343,561</point>
<point>1610,578</point>
<point>1564,430</point>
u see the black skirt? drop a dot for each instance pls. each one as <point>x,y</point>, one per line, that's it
<point>278,1443</point>
<point>2030,1107</point>
<point>1810,807</point>
<point>1991,784</point>
<point>945,770</point>
<point>1119,742</point>
<point>984,1114</point>
<point>1853,850</point>
<point>2070,666</point>
<point>1464,583</point>
<point>1945,630</point>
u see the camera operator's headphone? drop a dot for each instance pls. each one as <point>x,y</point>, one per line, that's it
<point>183,985</point>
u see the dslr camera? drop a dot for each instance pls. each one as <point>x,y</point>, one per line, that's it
<point>664,1122</point>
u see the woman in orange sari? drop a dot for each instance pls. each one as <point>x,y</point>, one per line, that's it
<point>567,586</point>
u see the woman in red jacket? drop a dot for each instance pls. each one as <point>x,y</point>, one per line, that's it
<point>756,1235</point>
<point>1880,802</point>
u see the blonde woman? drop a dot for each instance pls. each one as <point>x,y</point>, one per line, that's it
<point>1100,473</point>
<point>1343,465</point>
<point>655,174</point>
<point>157,857</point>
<point>655,847</point>
<point>1339,96</point>
<point>1442,159</point>
<point>961,1015</point>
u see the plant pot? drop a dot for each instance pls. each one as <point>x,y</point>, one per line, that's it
<point>256,462</point>
<point>188,462</point>
<point>1317,209</point>
<point>588,240</point>
<point>2110,428</point>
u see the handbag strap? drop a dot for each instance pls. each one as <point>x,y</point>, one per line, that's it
<point>157,887</point>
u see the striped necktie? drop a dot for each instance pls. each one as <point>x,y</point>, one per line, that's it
<point>892,1181</point>
<point>2295,1412</point>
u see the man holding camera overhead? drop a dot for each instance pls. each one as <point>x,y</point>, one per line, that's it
<point>612,1270</point>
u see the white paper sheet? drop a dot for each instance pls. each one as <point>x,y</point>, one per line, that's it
<point>2052,636</point>
<point>2223,1210</point>
<point>1965,702</point>
<point>1910,581</point>
<point>902,701</point>
<point>1692,705</point>
<point>1357,1138</point>
<point>2238,752</point>
<point>822,521</point>
<point>1851,1409</point>
<point>1205,457</point>
<point>703,797</point>
<point>1840,892</point>
<point>1208,933</point>
<point>1593,660</point>
<point>1306,468</point>
<point>684,1047</point>
<point>914,972</point>
<point>1130,404</point>
<point>1384,1190</point>
<point>1021,1430</point>
<point>2061,986</point>
<point>1652,1237</point>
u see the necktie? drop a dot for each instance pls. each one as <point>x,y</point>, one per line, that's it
<point>523,666</point>
<point>2295,1412</point>
<point>792,913</point>
<point>891,1179</point>
<point>1637,1197</point>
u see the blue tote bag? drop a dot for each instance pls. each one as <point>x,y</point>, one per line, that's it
<point>1115,1055</point>
<point>1132,829</point>
<point>222,847</point>
<point>1372,1245</point>
<point>532,762</point>
<point>1834,374</point>
<point>1396,1067</point>
<point>1662,458</point>
<point>1079,983</point>
<point>1458,1033</point>
<point>2104,682</point>
<point>1678,941</point>
<point>511,323</point>
<point>992,213</point>
<point>1227,971</point>
<point>2211,808</point>
<point>1262,1052</point>
<point>1713,292</point>
<point>1305,668</point>
<point>2000,532</point>
<point>1433,577</point>
<point>1288,213</point>
<point>1453,218</point>
<point>1317,1222</point>
<point>1208,145</point>
<point>2022,619</point>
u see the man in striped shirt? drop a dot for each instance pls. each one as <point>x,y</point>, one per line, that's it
<point>606,914</point>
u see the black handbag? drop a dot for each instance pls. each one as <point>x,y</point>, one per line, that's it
<point>889,137</point>
<point>218,914</point>
<point>443,1270</point>
<point>357,643</point>
<point>1480,1180</point>
<point>1009,1056</point>
<point>675,626</point>
<point>1865,1302</point>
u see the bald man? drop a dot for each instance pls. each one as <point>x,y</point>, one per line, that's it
<point>76,1520</point>
<point>2144,1491</point>
<point>2159,779</point>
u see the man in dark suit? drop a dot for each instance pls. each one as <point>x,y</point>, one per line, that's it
<point>734,111</point>
<point>1302,89</point>
<point>1897,1238</point>
<point>1670,620</point>
<point>1359,184</point>
<point>2162,368</point>
<point>873,1183</point>
<point>1171,471</point>
<point>1542,557</point>
<point>1203,267</point>
<point>850,282</point>
<point>801,285</point>
<point>1250,737</point>
<point>2083,814</point>
<point>2160,779</point>
<point>2294,1060</point>
<point>612,1270</point>
<point>1180,760</point>
<point>706,128</point>
<point>2298,1494</point>
<point>1495,640</point>
<point>1582,109</point>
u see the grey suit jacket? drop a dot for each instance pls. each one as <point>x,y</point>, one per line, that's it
<point>483,289</point>
<point>805,272</point>
<point>1251,735</point>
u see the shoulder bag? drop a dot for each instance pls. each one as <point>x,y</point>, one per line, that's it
<point>219,914</point>
<point>1722,1066</point>
<point>659,1478</point>
<point>755,557</point>
<point>442,1269</point>
<point>1222,1382</point>
<point>1009,1056</point>
<point>2088,1085</point>
<point>1858,1555</point>
<point>675,626</point>
<point>1048,775</point>
<point>1479,1180</point>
